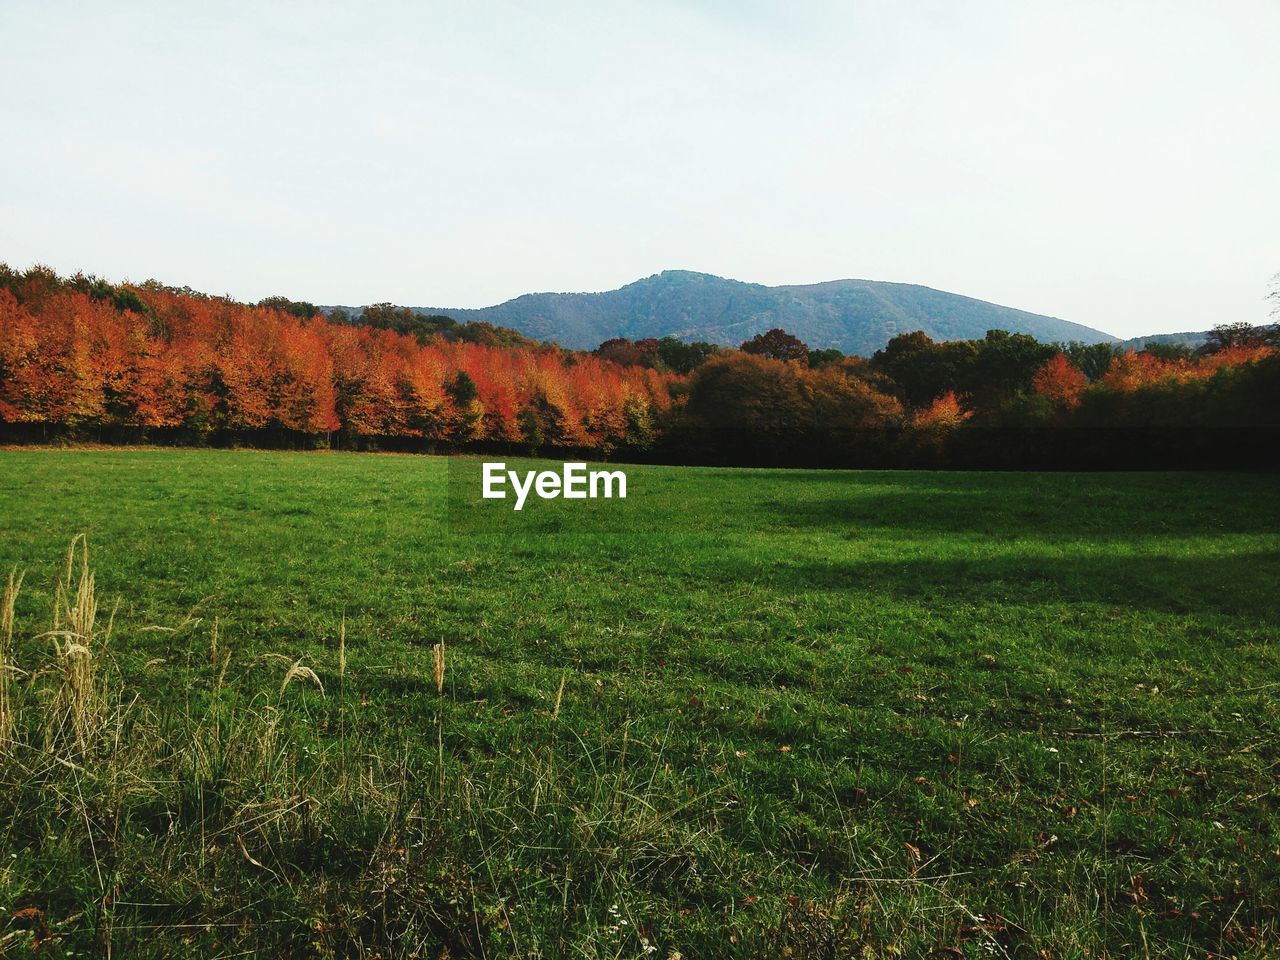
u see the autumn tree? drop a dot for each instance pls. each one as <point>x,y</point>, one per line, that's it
<point>1132,370</point>
<point>128,360</point>
<point>764,410</point>
<point>1059,382</point>
<point>748,400</point>
<point>850,416</point>
<point>777,344</point>
<point>629,353</point>
<point>79,352</point>
<point>946,412</point>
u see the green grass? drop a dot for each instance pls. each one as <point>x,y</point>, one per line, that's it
<point>830,713</point>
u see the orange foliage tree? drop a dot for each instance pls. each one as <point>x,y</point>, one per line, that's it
<point>943,413</point>
<point>1060,382</point>
<point>1132,371</point>
<point>184,360</point>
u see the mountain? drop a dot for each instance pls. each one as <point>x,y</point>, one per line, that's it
<point>855,316</point>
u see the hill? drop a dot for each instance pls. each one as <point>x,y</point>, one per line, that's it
<point>856,316</point>
<point>1192,339</point>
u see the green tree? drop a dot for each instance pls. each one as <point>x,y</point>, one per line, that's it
<point>296,308</point>
<point>462,390</point>
<point>922,369</point>
<point>1091,359</point>
<point>1169,351</point>
<point>1004,366</point>
<point>681,357</point>
<point>820,358</point>
<point>1227,335</point>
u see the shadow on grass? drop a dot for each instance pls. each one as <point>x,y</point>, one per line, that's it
<point>1049,505</point>
<point>1238,585</point>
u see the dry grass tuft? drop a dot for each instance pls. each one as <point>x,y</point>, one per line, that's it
<point>437,665</point>
<point>298,672</point>
<point>81,699</point>
<point>555,711</point>
<point>342,649</point>
<point>8,718</point>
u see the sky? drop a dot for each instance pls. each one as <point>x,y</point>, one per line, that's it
<point>1111,162</point>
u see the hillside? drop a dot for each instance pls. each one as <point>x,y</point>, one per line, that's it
<point>1192,339</point>
<point>856,316</point>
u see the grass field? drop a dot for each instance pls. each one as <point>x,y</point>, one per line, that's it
<point>812,714</point>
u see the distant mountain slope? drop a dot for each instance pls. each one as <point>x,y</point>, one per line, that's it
<point>856,316</point>
<point>1190,339</point>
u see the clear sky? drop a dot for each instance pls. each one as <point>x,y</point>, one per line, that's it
<point>1112,162</point>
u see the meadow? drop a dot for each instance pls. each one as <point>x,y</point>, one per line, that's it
<point>746,713</point>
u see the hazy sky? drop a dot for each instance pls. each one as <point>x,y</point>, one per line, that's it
<point>1112,162</point>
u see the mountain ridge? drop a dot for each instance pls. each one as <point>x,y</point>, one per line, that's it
<point>853,315</point>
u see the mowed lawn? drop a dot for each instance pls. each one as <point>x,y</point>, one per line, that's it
<point>830,713</point>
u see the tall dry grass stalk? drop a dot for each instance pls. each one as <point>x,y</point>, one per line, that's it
<point>81,700</point>
<point>219,655</point>
<point>437,669</point>
<point>437,665</point>
<point>298,672</point>
<point>8,710</point>
<point>555,711</point>
<point>342,649</point>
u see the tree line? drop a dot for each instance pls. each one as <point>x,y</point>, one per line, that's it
<point>81,358</point>
<point>1006,400</point>
<point>84,359</point>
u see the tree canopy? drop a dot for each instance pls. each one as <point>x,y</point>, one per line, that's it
<point>81,356</point>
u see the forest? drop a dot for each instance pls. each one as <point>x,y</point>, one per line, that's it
<point>82,359</point>
<point>88,360</point>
